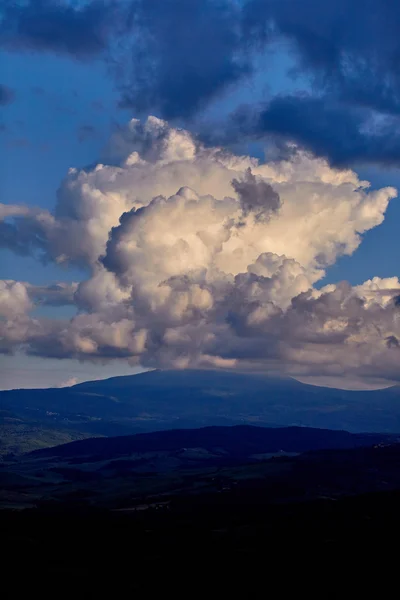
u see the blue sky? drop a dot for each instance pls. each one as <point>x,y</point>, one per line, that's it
<point>54,97</point>
<point>62,116</point>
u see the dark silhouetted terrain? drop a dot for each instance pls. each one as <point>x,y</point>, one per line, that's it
<point>124,472</point>
<point>218,517</point>
<point>218,511</point>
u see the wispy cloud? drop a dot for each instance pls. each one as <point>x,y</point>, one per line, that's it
<point>69,382</point>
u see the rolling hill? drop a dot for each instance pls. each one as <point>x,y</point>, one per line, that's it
<point>152,467</point>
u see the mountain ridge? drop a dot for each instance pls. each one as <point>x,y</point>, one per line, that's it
<point>158,400</point>
<point>273,439</point>
<point>203,373</point>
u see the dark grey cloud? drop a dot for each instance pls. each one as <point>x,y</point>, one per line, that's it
<point>256,197</point>
<point>57,294</point>
<point>333,130</point>
<point>63,27</point>
<point>21,236</point>
<point>183,55</point>
<point>350,49</point>
<point>392,342</point>
<point>173,57</point>
<point>7,95</point>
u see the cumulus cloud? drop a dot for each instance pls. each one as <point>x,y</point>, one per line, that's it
<point>198,257</point>
<point>14,299</point>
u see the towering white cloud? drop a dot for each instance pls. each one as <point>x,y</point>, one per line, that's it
<point>202,258</point>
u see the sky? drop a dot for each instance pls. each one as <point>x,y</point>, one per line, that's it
<point>199,184</point>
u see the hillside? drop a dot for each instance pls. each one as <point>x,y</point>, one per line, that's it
<point>237,508</point>
<point>125,471</point>
<point>160,400</point>
<point>239,442</point>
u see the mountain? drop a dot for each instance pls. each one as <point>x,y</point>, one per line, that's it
<point>160,400</point>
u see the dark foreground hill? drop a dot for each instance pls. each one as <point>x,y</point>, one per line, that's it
<point>152,468</point>
<point>160,400</point>
<point>236,442</point>
<point>342,549</point>
<point>155,518</point>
